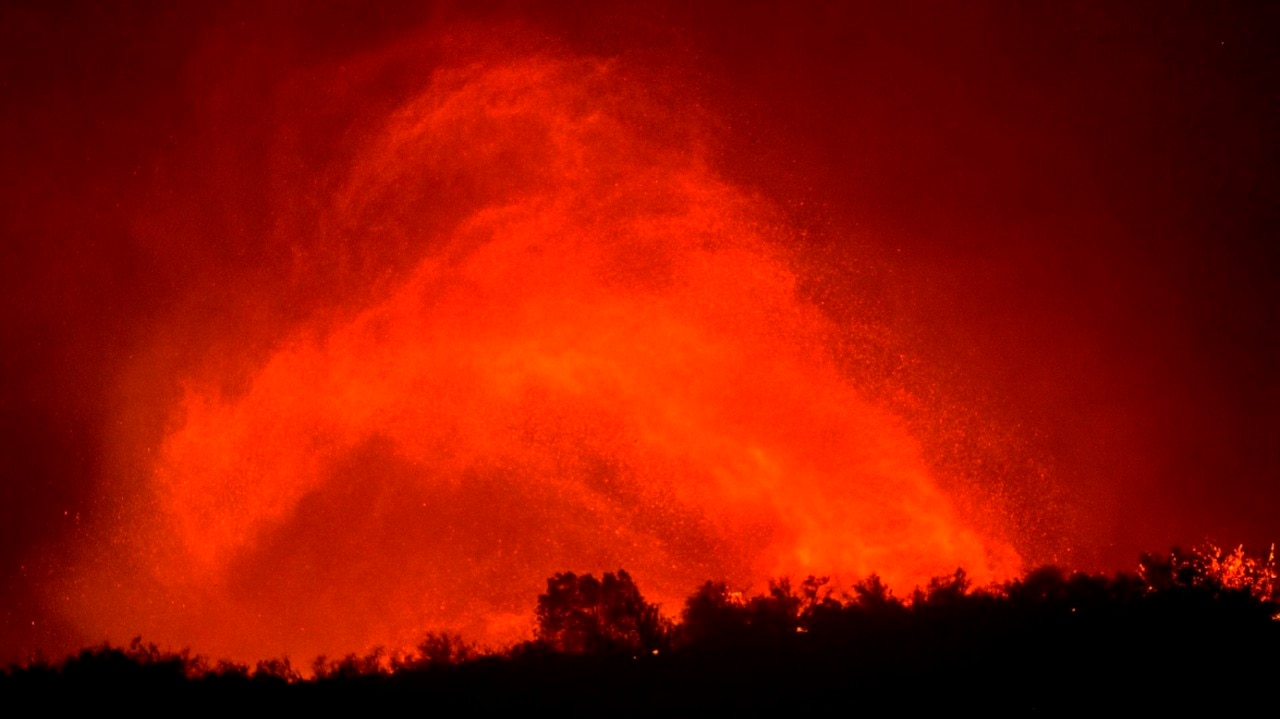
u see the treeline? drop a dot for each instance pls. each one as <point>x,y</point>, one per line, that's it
<point>1187,629</point>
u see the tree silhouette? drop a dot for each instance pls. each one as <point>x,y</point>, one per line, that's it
<point>712,616</point>
<point>583,615</point>
<point>874,595</point>
<point>437,649</point>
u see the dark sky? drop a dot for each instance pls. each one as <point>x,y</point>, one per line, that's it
<point>1068,213</point>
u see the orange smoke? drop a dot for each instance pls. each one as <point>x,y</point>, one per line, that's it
<point>598,359</point>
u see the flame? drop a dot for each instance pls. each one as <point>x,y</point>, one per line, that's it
<point>597,357</point>
<point>1237,570</point>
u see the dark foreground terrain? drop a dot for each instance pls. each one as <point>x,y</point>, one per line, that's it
<point>1196,631</point>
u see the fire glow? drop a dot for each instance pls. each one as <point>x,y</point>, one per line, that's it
<point>600,360</point>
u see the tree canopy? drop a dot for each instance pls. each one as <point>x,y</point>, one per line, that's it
<point>580,615</point>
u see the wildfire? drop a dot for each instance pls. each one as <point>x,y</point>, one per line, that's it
<point>597,358</point>
<point>1237,570</point>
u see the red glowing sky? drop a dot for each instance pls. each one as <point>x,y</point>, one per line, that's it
<point>325,326</point>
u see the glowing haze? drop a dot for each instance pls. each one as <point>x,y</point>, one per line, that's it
<point>602,362</point>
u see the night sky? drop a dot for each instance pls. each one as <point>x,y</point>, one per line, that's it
<point>1016,264</point>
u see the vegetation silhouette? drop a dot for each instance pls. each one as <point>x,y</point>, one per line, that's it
<point>1188,629</point>
<point>583,615</point>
